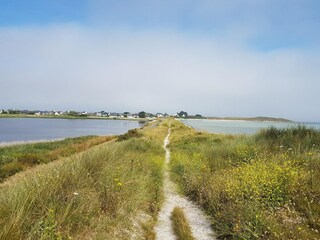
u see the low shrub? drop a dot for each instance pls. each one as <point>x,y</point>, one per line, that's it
<point>133,133</point>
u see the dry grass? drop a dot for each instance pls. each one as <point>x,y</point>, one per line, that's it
<point>180,225</point>
<point>17,158</point>
<point>92,195</point>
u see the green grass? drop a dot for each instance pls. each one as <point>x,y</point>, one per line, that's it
<point>180,225</point>
<point>300,139</point>
<point>16,158</point>
<point>97,194</point>
<point>265,186</point>
<point>250,186</point>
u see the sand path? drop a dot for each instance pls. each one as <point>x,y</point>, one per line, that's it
<point>199,223</point>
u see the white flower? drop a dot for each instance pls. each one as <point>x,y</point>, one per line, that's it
<point>76,193</point>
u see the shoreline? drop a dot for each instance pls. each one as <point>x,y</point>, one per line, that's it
<point>238,120</point>
<point>14,143</point>
<point>252,119</point>
<point>6,116</point>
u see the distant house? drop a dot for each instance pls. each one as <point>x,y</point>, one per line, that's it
<point>114,115</point>
<point>159,115</point>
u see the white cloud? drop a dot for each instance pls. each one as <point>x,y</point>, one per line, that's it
<point>71,67</point>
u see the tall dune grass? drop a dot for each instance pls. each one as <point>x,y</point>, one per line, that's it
<point>93,195</point>
<point>17,158</point>
<point>260,187</point>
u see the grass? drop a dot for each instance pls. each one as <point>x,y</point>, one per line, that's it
<point>17,158</point>
<point>180,225</point>
<point>97,194</point>
<point>265,186</point>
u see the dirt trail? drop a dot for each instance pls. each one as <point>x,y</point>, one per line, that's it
<point>199,224</point>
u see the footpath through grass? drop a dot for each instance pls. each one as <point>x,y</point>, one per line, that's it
<point>17,158</point>
<point>101,193</point>
<point>265,186</point>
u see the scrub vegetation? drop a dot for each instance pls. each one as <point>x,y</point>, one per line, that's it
<point>112,191</point>
<point>17,158</point>
<point>265,186</point>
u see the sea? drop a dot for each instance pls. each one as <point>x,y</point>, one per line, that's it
<point>20,130</point>
<point>240,126</point>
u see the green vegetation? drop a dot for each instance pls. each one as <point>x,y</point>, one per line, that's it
<point>180,225</point>
<point>265,186</point>
<point>142,114</point>
<point>17,158</point>
<point>102,193</point>
<point>133,133</point>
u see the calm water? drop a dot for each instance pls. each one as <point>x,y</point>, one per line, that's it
<point>238,127</point>
<point>34,129</point>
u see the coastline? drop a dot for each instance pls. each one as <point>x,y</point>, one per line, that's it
<point>13,143</point>
<point>72,117</point>
<point>252,119</point>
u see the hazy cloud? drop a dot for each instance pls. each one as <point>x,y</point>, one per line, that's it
<point>68,66</point>
<point>225,58</point>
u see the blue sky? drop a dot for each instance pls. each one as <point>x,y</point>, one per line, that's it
<point>218,58</point>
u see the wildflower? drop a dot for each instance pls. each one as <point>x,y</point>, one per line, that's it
<point>290,149</point>
<point>119,184</point>
<point>76,193</point>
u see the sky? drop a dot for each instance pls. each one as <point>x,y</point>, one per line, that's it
<point>242,58</point>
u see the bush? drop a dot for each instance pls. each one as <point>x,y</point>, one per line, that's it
<point>133,133</point>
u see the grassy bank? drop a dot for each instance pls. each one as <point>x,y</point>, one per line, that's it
<point>265,186</point>
<point>17,158</point>
<point>102,193</point>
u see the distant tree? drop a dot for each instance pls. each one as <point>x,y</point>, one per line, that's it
<point>12,111</point>
<point>73,113</point>
<point>142,114</point>
<point>182,114</point>
<point>198,116</point>
<point>125,114</point>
